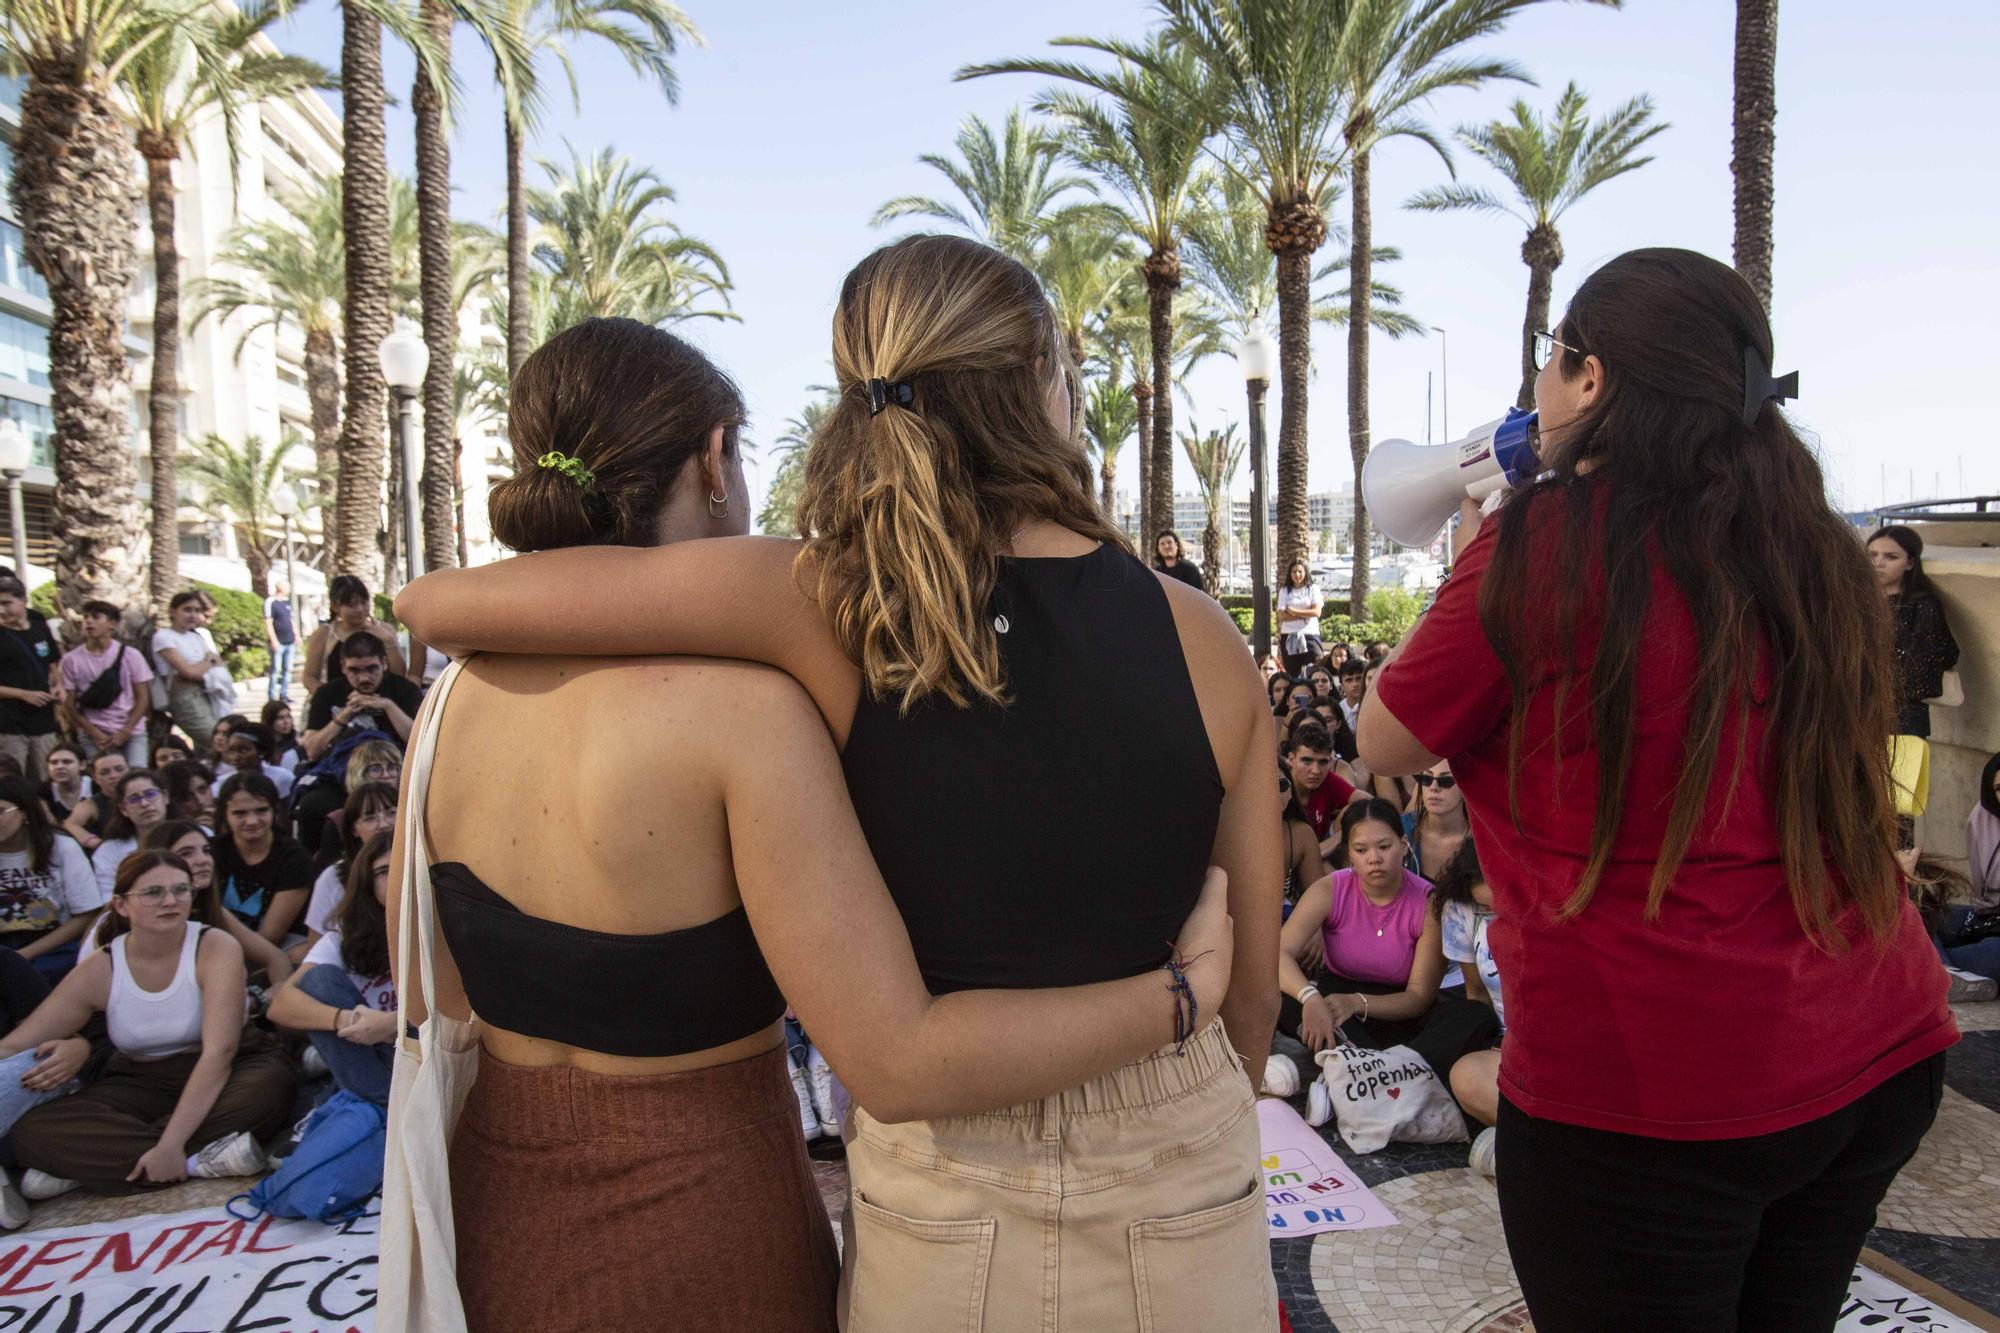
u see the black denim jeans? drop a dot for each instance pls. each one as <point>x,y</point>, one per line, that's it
<point>1643,1235</point>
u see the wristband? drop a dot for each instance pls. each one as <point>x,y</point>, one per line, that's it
<point>1305,990</point>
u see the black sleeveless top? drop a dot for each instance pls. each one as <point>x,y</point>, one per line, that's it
<point>1062,839</point>
<point>630,995</point>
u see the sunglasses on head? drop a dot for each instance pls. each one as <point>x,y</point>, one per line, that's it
<point>1443,782</point>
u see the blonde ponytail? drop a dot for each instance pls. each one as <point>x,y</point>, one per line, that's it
<point>905,508</point>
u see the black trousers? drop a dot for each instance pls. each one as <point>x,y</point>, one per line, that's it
<point>1642,1235</point>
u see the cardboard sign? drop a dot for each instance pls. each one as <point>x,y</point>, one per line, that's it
<point>1878,1304</point>
<point>1307,1187</point>
<point>196,1272</point>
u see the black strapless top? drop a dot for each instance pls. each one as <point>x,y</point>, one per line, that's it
<point>630,995</point>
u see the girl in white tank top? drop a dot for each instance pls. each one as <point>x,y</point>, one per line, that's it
<point>152,1025</point>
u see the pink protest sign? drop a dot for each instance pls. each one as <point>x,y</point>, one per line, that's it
<point>1307,1188</point>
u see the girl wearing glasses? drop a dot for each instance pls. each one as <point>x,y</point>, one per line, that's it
<point>47,891</point>
<point>1675,759</point>
<point>190,841</point>
<point>190,1090</point>
<point>342,997</point>
<point>1437,827</point>
<point>138,803</point>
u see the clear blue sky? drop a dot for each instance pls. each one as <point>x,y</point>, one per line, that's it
<point>799,118</point>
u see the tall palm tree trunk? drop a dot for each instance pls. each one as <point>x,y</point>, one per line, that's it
<point>74,190</point>
<point>1211,552</point>
<point>1163,276</point>
<point>1750,159</point>
<point>1142,394</point>
<point>1107,473</point>
<point>164,400</point>
<point>365,218</point>
<point>434,283</point>
<point>1542,252</point>
<point>1361,279</point>
<point>322,367</point>
<point>1293,231</point>
<point>518,287</point>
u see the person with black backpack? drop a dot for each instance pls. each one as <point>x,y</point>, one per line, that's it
<point>105,678</point>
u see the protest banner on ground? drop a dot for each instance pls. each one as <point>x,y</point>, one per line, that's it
<point>1307,1187</point>
<point>195,1272</point>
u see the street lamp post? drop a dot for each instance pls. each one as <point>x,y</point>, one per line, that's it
<point>404,361</point>
<point>15,450</point>
<point>1444,380</point>
<point>286,504</point>
<point>1257,355</point>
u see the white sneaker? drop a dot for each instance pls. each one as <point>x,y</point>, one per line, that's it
<point>821,1075</point>
<point>1281,1077</point>
<point>237,1155</point>
<point>313,1063</point>
<point>13,1208</point>
<point>42,1185</point>
<point>1319,1103</point>
<point>1482,1152</point>
<point>808,1118</point>
<point>1969,987</point>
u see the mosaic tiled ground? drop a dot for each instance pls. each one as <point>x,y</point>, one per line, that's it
<point>1444,1269</point>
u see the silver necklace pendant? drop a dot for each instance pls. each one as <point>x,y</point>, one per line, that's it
<point>1000,625</point>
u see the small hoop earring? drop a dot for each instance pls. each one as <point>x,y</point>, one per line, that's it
<point>718,504</point>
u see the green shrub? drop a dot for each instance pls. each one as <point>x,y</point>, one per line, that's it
<point>1395,609</point>
<point>43,599</point>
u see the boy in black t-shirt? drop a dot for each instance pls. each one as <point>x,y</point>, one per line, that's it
<point>29,683</point>
<point>365,697</point>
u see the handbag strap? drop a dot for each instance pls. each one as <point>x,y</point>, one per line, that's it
<point>417,907</point>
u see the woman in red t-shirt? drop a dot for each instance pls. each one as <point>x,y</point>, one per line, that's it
<point>1662,677</point>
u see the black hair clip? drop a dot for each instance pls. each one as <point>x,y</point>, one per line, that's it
<point>1759,388</point>
<point>883,392</point>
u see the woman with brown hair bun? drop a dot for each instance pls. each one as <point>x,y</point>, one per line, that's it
<point>630,935</point>
<point>985,648</point>
<point>1663,679</point>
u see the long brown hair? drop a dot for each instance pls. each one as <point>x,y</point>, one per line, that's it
<point>631,404</point>
<point>205,907</point>
<point>904,509</point>
<point>1737,517</point>
<point>364,926</point>
<point>130,869</point>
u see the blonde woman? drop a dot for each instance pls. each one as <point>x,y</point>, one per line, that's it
<point>986,649</point>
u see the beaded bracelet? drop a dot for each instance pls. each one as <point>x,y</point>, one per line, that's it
<point>1187,1009</point>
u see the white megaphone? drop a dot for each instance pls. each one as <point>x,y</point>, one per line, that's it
<point>1414,489</point>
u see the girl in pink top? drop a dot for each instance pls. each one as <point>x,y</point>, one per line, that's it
<point>1383,955</point>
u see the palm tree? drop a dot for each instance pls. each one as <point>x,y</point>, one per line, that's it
<point>440,328</point>
<point>73,187</point>
<point>1110,415</point>
<point>1144,139</point>
<point>1393,55</point>
<point>1232,267</point>
<point>647,33</point>
<point>779,516</point>
<point>1750,155</point>
<point>365,302</point>
<point>239,480</point>
<point>294,271</point>
<point>1284,105</point>
<point>209,62</point>
<point>610,250</point>
<point>1009,186</point>
<point>1215,456</point>
<point>1551,164</point>
<point>1085,266</point>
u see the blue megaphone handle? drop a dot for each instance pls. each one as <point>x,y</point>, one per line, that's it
<point>1514,446</point>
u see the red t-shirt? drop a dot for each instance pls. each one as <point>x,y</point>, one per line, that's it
<point>1718,1020</point>
<point>1323,807</point>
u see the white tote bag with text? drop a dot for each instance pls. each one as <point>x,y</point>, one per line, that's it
<point>417,1282</point>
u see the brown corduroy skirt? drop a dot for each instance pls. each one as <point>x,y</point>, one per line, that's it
<point>604,1203</point>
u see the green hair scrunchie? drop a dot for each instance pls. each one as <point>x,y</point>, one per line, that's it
<point>573,468</point>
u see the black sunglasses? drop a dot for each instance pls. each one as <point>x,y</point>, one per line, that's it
<point>1443,782</point>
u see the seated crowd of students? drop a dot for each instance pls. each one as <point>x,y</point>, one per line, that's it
<point>196,949</point>
<point>1387,909</point>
